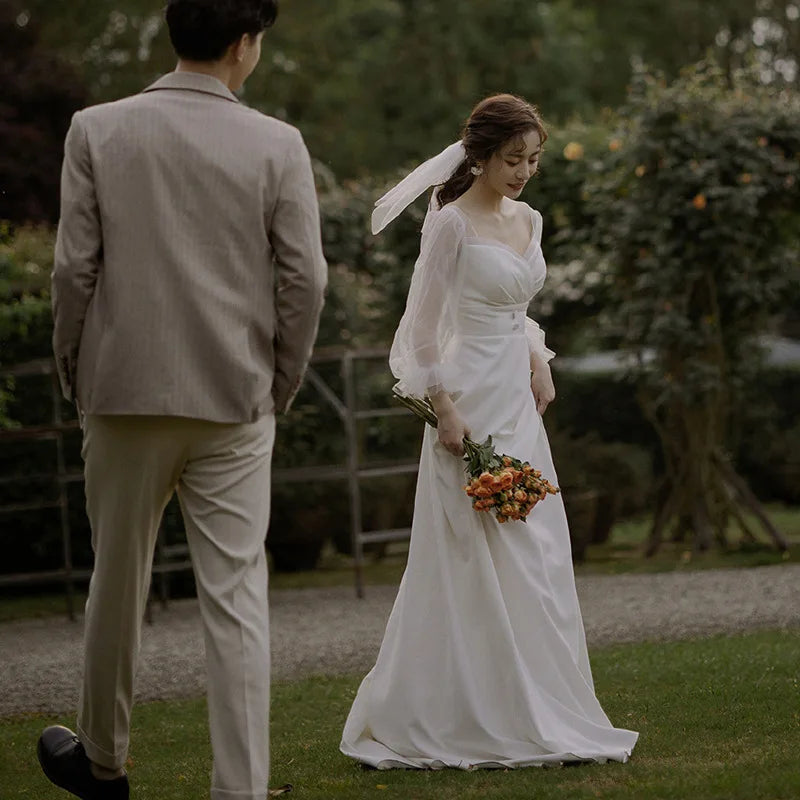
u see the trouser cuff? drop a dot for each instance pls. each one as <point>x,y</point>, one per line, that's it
<point>223,794</point>
<point>100,756</point>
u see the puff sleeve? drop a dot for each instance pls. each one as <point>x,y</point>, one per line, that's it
<point>533,332</point>
<point>428,328</point>
<point>536,345</point>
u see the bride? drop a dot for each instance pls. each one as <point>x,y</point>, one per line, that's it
<point>484,660</point>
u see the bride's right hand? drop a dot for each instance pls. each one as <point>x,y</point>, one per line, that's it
<point>452,431</point>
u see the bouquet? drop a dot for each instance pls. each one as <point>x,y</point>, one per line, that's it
<point>497,482</point>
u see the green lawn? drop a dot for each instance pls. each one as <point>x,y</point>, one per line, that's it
<point>719,720</point>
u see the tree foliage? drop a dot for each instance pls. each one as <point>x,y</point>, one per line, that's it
<point>40,93</point>
<point>698,217</point>
<point>375,84</point>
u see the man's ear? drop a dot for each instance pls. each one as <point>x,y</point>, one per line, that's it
<point>238,50</point>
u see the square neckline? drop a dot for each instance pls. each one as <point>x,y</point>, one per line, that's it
<point>498,242</point>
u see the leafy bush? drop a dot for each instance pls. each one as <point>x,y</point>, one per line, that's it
<point>26,261</point>
<point>697,220</point>
<point>40,93</point>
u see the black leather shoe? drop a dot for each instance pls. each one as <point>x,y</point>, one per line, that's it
<point>66,764</point>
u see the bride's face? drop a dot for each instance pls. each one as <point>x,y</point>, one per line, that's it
<point>514,164</point>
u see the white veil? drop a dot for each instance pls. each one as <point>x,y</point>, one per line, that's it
<point>432,172</point>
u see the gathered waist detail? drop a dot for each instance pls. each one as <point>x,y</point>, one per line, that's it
<point>489,321</point>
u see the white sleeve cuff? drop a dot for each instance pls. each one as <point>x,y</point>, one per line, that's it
<point>536,345</point>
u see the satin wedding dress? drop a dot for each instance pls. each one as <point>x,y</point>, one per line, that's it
<point>484,660</point>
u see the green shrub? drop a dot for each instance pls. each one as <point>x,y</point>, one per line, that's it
<point>26,259</point>
<point>698,224</point>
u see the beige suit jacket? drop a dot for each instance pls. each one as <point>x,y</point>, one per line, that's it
<point>189,273</point>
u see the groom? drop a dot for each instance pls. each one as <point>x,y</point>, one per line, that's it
<point>187,288</point>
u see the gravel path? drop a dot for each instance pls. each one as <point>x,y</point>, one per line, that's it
<point>330,631</point>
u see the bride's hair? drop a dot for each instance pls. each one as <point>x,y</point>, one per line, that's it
<point>493,122</point>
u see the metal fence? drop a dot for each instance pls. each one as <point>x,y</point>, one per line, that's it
<point>52,431</point>
<point>174,558</point>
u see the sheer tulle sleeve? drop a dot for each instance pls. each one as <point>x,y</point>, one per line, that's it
<point>536,345</point>
<point>428,328</point>
<point>534,333</point>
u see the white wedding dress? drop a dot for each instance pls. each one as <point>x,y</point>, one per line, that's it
<point>484,660</point>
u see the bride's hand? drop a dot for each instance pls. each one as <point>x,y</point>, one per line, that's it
<point>452,431</point>
<point>451,427</point>
<point>544,392</point>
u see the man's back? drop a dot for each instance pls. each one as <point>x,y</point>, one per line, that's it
<point>197,195</point>
<point>187,288</point>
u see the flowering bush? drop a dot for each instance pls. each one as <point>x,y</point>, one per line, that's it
<point>698,216</point>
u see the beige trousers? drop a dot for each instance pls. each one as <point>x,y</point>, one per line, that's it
<point>222,477</point>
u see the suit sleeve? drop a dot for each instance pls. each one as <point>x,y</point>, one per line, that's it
<point>301,274</point>
<point>78,254</point>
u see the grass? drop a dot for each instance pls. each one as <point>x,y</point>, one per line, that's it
<point>621,554</point>
<point>623,551</point>
<point>719,719</point>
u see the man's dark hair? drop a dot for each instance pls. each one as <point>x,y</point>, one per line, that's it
<point>202,30</point>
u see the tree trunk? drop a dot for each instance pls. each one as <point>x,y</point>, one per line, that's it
<point>701,491</point>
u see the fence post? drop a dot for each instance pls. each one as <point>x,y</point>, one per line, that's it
<point>63,497</point>
<point>353,482</point>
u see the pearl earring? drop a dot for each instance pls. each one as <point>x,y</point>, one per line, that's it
<point>476,170</point>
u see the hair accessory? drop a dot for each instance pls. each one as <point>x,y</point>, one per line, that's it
<point>476,170</point>
<point>432,172</point>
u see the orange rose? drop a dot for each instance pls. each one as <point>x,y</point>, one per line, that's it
<point>507,509</point>
<point>501,518</point>
<point>482,491</point>
<point>469,490</point>
<point>520,496</point>
<point>506,461</point>
<point>486,479</point>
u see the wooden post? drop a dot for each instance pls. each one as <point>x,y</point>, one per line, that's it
<point>353,482</point>
<point>63,497</point>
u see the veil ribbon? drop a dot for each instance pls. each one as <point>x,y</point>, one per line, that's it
<point>432,172</point>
